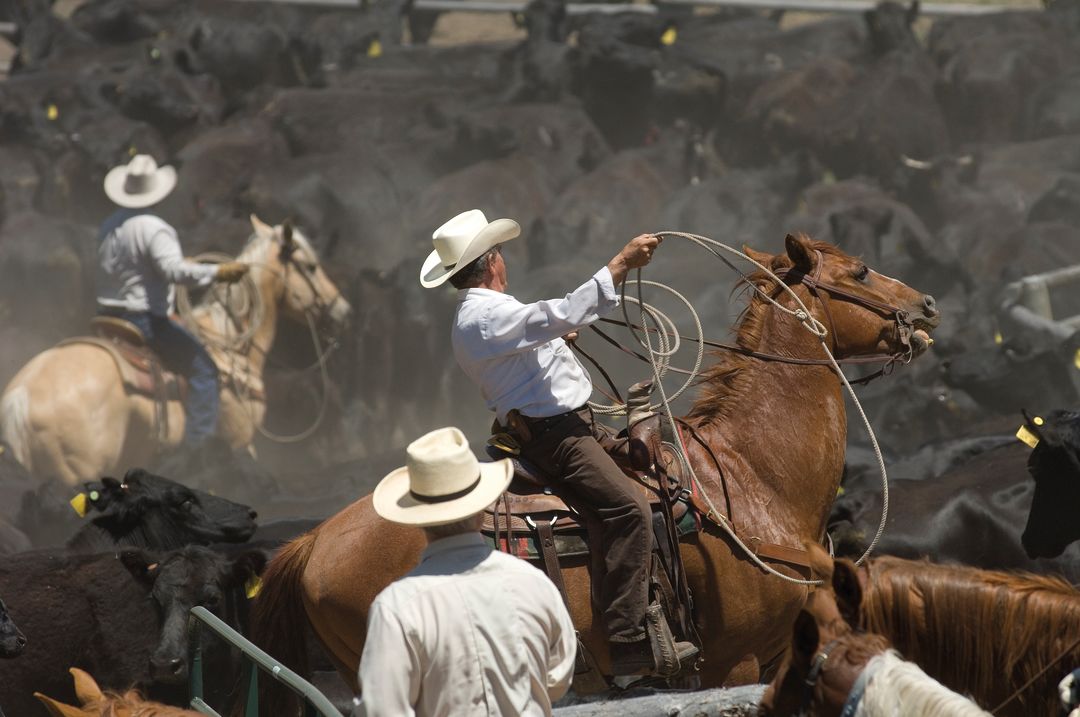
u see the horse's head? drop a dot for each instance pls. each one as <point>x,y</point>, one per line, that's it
<point>865,313</point>
<point>827,651</point>
<point>307,292</point>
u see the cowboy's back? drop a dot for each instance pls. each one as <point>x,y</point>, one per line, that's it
<point>470,631</point>
<point>139,261</point>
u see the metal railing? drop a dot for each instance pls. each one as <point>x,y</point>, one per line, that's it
<point>254,661</point>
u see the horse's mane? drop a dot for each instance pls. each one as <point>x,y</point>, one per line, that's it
<point>131,704</point>
<point>725,379</point>
<point>902,689</point>
<point>978,631</point>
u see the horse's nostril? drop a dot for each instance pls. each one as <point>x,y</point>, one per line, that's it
<point>930,305</point>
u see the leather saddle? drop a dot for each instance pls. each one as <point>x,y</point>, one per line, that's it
<point>140,368</point>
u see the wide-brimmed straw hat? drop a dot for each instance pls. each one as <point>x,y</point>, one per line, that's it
<point>139,183</point>
<point>460,241</point>
<point>441,482</point>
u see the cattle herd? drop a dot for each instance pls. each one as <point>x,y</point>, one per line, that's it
<point>945,152</point>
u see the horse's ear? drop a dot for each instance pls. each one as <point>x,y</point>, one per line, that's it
<point>800,252</point>
<point>759,256</point>
<point>806,638</point>
<point>141,564</point>
<point>86,687</point>
<point>287,241</point>
<point>848,591</point>
<point>59,709</point>
<point>261,228</point>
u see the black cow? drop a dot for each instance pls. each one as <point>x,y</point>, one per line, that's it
<point>142,510</point>
<point>150,511</point>
<point>120,618</point>
<point>1054,464</point>
<point>971,515</point>
<point>12,641</point>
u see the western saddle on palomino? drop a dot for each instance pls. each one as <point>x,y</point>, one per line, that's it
<point>532,522</point>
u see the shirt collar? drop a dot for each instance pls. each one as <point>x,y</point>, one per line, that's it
<point>478,292</point>
<point>454,542</point>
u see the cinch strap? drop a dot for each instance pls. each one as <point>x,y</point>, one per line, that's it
<point>448,497</point>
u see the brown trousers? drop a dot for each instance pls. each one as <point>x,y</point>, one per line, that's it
<point>576,452</point>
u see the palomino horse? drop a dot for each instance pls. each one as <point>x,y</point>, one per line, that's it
<point>833,667</point>
<point>770,450</point>
<point>67,416</point>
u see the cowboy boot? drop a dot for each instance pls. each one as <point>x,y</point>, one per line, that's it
<point>657,654</point>
<point>637,402</point>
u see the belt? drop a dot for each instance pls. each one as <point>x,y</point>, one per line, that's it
<point>540,425</point>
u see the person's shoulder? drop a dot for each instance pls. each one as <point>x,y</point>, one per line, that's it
<point>503,561</point>
<point>152,223</point>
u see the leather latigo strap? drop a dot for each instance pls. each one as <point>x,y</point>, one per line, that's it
<point>550,556</point>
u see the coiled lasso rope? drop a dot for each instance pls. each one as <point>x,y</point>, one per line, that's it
<point>655,322</point>
<point>246,311</point>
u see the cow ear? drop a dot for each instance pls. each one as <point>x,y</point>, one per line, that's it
<point>806,638</point>
<point>140,564</point>
<point>86,687</point>
<point>800,251</point>
<point>848,591</point>
<point>249,565</point>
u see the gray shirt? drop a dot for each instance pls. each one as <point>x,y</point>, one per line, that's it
<point>139,261</point>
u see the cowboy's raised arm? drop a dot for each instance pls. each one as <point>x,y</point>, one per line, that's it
<point>169,261</point>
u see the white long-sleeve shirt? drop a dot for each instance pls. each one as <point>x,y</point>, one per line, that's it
<point>514,351</point>
<point>470,631</point>
<point>139,261</point>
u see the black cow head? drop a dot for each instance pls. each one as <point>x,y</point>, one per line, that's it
<point>183,579</point>
<point>12,641</point>
<point>150,511</point>
<point>1055,465</point>
<point>889,26</point>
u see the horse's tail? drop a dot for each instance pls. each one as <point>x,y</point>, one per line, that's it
<point>279,621</point>
<point>15,423</point>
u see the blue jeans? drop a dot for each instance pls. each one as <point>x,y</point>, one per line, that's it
<point>184,354</point>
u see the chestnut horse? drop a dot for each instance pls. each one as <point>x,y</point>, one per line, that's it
<point>833,667</point>
<point>994,635</point>
<point>96,703</point>
<point>67,416</point>
<point>777,431</point>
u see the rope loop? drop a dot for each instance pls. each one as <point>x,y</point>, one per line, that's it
<point>653,322</point>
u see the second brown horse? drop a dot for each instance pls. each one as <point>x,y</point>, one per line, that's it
<point>777,431</point>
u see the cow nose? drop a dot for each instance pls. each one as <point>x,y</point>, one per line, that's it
<point>252,514</point>
<point>929,305</point>
<point>168,667</point>
<point>20,642</point>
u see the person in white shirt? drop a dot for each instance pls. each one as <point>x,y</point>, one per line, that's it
<point>539,392</point>
<point>139,262</point>
<point>470,631</point>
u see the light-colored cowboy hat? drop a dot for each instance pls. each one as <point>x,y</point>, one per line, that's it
<point>441,482</point>
<point>460,241</point>
<point>139,183</point>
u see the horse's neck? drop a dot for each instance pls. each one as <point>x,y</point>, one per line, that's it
<point>783,430</point>
<point>215,317</point>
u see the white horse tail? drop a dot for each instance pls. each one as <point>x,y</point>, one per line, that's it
<point>15,423</point>
<point>896,688</point>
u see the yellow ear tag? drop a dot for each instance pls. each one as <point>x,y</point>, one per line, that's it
<point>1027,437</point>
<point>374,49</point>
<point>52,112</point>
<point>998,338</point>
<point>669,36</point>
<point>1076,363</point>
<point>78,503</point>
<point>252,587</point>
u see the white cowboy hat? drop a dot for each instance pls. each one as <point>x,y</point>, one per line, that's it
<point>139,183</point>
<point>460,241</point>
<point>441,482</point>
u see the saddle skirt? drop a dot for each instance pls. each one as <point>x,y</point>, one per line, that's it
<point>140,368</point>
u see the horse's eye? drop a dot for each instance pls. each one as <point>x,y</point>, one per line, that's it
<point>312,267</point>
<point>862,273</point>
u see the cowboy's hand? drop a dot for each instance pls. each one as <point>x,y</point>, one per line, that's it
<point>570,337</point>
<point>232,271</point>
<point>634,255</point>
